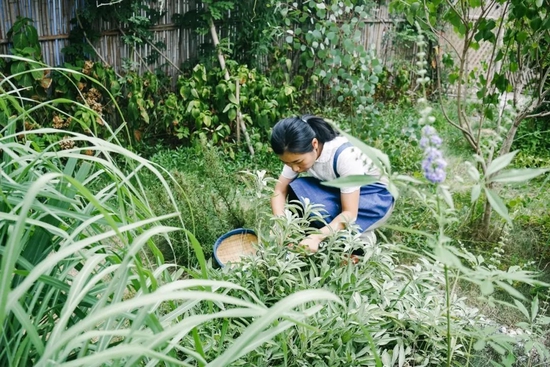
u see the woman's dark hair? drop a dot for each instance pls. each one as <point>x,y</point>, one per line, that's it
<point>295,134</point>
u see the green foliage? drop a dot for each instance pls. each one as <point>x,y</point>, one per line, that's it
<point>374,298</point>
<point>324,45</point>
<point>397,314</point>
<point>26,67</point>
<point>208,104</point>
<point>133,18</point>
<point>204,105</point>
<point>82,281</point>
<point>533,140</point>
<point>78,98</point>
<point>491,131</point>
<point>145,100</point>
<point>248,23</point>
<point>458,263</point>
<point>397,82</point>
<point>255,42</point>
<point>90,84</point>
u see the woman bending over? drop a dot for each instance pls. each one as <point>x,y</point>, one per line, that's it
<point>310,144</point>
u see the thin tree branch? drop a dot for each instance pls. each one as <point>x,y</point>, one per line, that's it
<point>92,46</point>
<point>164,56</point>
<point>137,53</point>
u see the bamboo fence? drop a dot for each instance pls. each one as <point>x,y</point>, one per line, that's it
<point>52,18</point>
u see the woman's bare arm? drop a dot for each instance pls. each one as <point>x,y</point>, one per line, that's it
<point>278,199</point>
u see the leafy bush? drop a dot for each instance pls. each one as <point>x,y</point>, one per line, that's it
<point>392,314</point>
<point>395,312</point>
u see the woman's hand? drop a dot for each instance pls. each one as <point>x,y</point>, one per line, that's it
<point>311,242</point>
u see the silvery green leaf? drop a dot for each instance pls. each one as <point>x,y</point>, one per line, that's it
<point>511,290</point>
<point>522,309</point>
<point>534,308</point>
<point>353,180</point>
<point>407,178</point>
<point>446,256</point>
<point>393,190</point>
<point>478,158</point>
<point>474,173</point>
<point>447,196</point>
<point>476,191</point>
<point>401,355</point>
<point>486,287</point>
<point>500,163</point>
<point>386,358</point>
<point>518,175</point>
<point>497,204</point>
<point>479,345</point>
<point>497,348</point>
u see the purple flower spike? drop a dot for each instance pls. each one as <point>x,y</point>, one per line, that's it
<point>433,164</point>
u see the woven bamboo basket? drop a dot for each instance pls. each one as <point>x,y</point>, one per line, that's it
<point>230,247</point>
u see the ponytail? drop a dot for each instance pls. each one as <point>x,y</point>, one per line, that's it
<point>295,134</point>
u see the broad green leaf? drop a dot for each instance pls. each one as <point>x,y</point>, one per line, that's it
<point>518,175</point>
<point>206,120</point>
<point>497,204</point>
<point>227,107</point>
<point>500,163</point>
<point>233,99</point>
<point>232,114</point>
<point>521,36</point>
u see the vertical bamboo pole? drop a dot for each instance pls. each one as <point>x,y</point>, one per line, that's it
<point>221,58</point>
<point>238,93</point>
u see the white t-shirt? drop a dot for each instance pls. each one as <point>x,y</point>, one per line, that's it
<point>351,161</point>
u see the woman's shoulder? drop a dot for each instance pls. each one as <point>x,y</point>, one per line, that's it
<point>337,142</point>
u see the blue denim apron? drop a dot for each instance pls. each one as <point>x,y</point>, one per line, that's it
<point>374,201</point>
